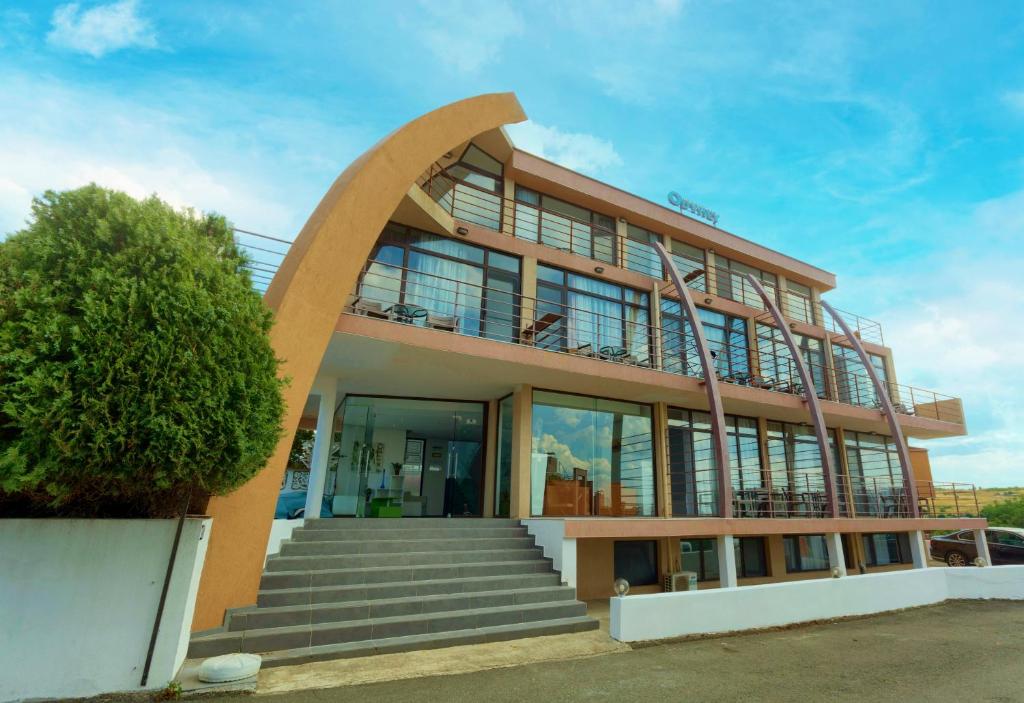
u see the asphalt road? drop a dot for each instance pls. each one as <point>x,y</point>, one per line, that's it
<point>955,651</point>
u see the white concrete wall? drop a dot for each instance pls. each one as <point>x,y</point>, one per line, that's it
<point>78,599</point>
<point>549,534</point>
<point>662,615</point>
<point>280,530</point>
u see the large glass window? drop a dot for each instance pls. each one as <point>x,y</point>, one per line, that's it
<point>637,561</point>
<point>852,381</point>
<point>726,337</point>
<point>806,553</point>
<point>798,479</point>
<point>503,484</point>
<point>591,456</point>
<point>593,317</point>
<point>776,362</point>
<point>640,254</point>
<point>885,548</point>
<point>701,557</point>
<point>798,303</point>
<point>691,264</point>
<point>562,225</point>
<point>731,282</point>
<point>438,282</point>
<point>476,191</point>
<point>875,474</point>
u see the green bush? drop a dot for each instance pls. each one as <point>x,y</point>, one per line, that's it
<point>135,361</point>
<point>1007,513</point>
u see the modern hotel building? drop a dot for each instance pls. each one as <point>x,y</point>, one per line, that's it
<point>476,332</point>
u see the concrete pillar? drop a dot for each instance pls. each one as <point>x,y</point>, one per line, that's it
<point>836,558</point>
<point>982,546</point>
<point>528,292</point>
<point>726,561</point>
<point>568,570</point>
<point>662,483</point>
<point>918,550</point>
<point>327,389</point>
<point>621,232</point>
<point>508,212</point>
<point>710,272</point>
<point>522,451</point>
<point>655,337</point>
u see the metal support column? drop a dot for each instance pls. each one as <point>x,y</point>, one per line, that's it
<point>707,365</point>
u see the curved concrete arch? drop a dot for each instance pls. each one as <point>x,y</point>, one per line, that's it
<point>307,295</point>
<point>810,397</point>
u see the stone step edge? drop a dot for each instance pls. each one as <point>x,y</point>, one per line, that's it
<point>391,601</point>
<point>278,557</point>
<point>232,634</point>
<point>436,640</point>
<point>387,584</point>
<point>406,566</point>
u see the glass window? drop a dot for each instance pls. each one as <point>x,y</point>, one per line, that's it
<point>726,337</point>
<point>692,473</point>
<point>690,262</point>
<point>640,254</point>
<point>593,317</point>
<point>503,484</point>
<point>886,548</point>
<point>443,283</point>
<point>637,561</point>
<point>776,363</point>
<point>806,553</point>
<point>794,461</point>
<point>852,380</point>
<point>474,189</point>
<point>701,557</point>
<point>731,282</point>
<point>798,303</point>
<point>561,225</point>
<point>875,474</point>
<point>474,156</point>
<point>591,456</point>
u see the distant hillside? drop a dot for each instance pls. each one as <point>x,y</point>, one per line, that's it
<point>945,503</point>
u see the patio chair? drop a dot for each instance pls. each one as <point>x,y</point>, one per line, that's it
<point>370,308</point>
<point>448,323</point>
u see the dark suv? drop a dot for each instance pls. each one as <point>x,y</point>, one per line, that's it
<point>1005,546</point>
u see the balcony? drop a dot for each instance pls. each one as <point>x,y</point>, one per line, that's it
<point>474,205</point>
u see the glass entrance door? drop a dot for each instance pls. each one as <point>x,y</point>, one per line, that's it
<point>403,457</point>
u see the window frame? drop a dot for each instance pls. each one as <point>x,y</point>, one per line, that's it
<point>800,568</point>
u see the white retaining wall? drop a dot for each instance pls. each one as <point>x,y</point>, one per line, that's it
<point>280,530</point>
<point>550,536</point>
<point>78,600</point>
<point>663,615</point>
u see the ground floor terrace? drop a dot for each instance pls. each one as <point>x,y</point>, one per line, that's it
<point>614,478</point>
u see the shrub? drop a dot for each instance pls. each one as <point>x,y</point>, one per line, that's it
<point>1008,513</point>
<point>135,361</point>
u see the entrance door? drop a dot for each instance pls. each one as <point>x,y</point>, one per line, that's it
<point>403,457</point>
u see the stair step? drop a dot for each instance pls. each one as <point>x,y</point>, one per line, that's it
<point>314,533</point>
<point>276,638</point>
<point>292,548</point>
<point>411,524</point>
<point>366,561</point>
<point>403,589</point>
<point>435,640</point>
<point>286,616</point>
<point>424,572</point>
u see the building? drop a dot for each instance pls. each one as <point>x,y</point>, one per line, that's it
<point>475,331</point>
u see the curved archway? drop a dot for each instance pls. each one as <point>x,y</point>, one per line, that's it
<point>307,295</point>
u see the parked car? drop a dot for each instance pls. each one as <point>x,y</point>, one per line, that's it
<point>292,504</point>
<point>1005,546</point>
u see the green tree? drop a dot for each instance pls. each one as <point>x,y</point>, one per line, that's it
<point>1007,513</point>
<point>135,361</point>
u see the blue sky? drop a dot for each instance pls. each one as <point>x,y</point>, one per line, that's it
<point>882,141</point>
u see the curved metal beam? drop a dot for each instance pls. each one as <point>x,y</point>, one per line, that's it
<point>810,396</point>
<point>886,405</point>
<point>707,365</point>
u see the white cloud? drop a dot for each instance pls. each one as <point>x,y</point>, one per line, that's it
<point>626,82</point>
<point>468,36</point>
<point>1015,99</point>
<point>575,150</point>
<point>101,29</point>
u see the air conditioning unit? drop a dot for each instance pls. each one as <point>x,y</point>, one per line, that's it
<point>681,581</point>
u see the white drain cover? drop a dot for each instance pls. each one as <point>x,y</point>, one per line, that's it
<point>229,667</point>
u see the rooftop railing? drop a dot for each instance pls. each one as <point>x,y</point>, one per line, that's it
<point>476,205</point>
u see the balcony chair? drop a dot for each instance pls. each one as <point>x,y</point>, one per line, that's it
<point>407,313</point>
<point>448,323</point>
<point>369,308</point>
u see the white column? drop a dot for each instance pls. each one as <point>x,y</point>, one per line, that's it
<point>327,389</point>
<point>836,558</point>
<point>726,561</point>
<point>917,549</point>
<point>569,561</point>
<point>982,546</point>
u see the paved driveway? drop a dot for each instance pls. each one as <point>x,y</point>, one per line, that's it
<point>954,651</point>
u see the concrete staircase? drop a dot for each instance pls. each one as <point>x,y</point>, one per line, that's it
<point>348,587</point>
